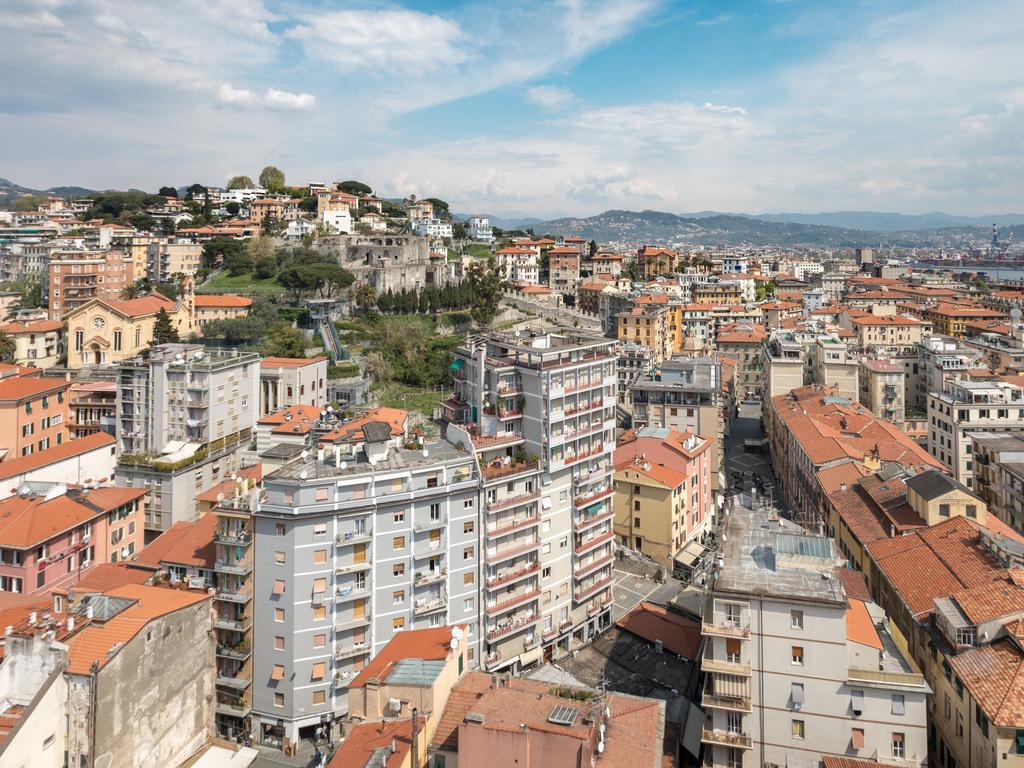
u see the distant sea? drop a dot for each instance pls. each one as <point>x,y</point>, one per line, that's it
<point>995,273</point>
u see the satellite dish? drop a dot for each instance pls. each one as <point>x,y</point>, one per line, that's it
<point>426,453</point>
<point>303,474</point>
<point>454,644</point>
<point>305,454</point>
<point>344,465</point>
<point>220,497</point>
<point>456,633</point>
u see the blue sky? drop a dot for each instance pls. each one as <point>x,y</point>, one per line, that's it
<point>529,108</point>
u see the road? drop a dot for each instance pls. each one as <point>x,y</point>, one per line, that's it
<point>747,426</point>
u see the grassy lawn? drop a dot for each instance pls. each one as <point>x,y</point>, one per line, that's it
<point>475,250</point>
<point>414,400</point>
<point>243,284</point>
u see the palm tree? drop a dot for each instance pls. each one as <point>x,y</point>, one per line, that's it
<point>364,296</point>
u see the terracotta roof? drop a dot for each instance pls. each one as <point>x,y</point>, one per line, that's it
<point>227,487</point>
<point>95,642</point>
<point>352,431</point>
<point>426,644</point>
<point>184,543</point>
<point>668,462</point>
<point>15,608</point>
<point>104,577</point>
<point>831,761</point>
<point>832,479</point>
<point>140,307</point>
<point>678,634</point>
<point>24,387</point>
<point>363,740</point>
<point>221,300</point>
<point>994,674</point>
<point>993,600</point>
<point>23,464</point>
<point>288,362</point>
<point>854,585</point>
<point>756,334</point>
<point>876,320</point>
<point>29,522</point>
<point>295,412</point>
<point>960,310</point>
<point>36,326</point>
<point>860,628</point>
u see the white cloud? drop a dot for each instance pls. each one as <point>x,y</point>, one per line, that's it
<point>723,18</point>
<point>550,97</point>
<point>723,109</point>
<point>270,99</point>
<point>383,41</point>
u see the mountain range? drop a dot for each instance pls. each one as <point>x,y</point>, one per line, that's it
<point>9,192</point>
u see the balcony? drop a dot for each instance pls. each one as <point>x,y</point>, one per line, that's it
<point>353,537</point>
<point>491,441</point>
<point>500,606</point>
<point>583,501</point>
<point>513,501</point>
<point>436,576</point>
<point>732,703</point>
<point>589,544</point>
<point>505,553</point>
<point>237,625</point>
<point>726,738</point>
<point>230,596</point>
<point>723,628</point>
<point>240,708</point>
<point>240,683</point>
<point>233,538</point>
<point>583,522</point>
<point>236,568</point>
<point>349,651</point>
<point>352,567</point>
<point>352,623</point>
<point>514,525</point>
<point>240,652</point>
<point>581,570</point>
<point>428,525</point>
<point>587,592</point>
<point>428,548</point>
<point>507,577</point>
<point>725,667</point>
<point>499,469</point>
<point>349,592</point>
<point>515,625</point>
<point>429,605</point>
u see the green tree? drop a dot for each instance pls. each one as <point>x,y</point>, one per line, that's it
<point>193,190</point>
<point>441,209</point>
<point>239,262</point>
<point>459,231</point>
<point>265,267</point>
<point>7,348</point>
<point>233,208</point>
<point>168,192</point>
<point>364,296</point>
<point>593,248</point>
<point>28,203</point>
<point>353,187</point>
<point>217,250</point>
<point>272,179</point>
<point>486,284</point>
<point>240,182</point>
<point>282,340</point>
<point>164,331</point>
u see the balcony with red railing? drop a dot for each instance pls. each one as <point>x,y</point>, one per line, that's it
<point>512,574</point>
<point>582,570</point>
<point>588,591</point>
<point>586,545</point>
<point>590,498</point>
<point>491,441</point>
<point>512,601</point>
<point>499,554</point>
<point>500,469</point>
<point>584,522</point>
<point>512,501</point>
<point>508,526</point>
<point>513,625</point>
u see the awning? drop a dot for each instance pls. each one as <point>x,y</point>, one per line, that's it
<point>278,673</point>
<point>797,692</point>
<point>279,587</point>
<point>457,363</point>
<point>531,657</point>
<point>858,738</point>
<point>690,554</point>
<point>594,508</point>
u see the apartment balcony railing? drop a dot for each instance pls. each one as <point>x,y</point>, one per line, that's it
<point>428,547</point>
<point>581,570</point>
<point>424,606</point>
<point>595,496</point>
<point>348,592</point>
<point>723,628</point>
<point>584,522</point>
<point>509,576</point>
<point>588,544</point>
<point>353,567</point>
<point>236,625</point>
<point>500,606</point>
<point>739,703</point>
<point>353,537</point>
<point>725,667</point>
<point>587,592</point>
<point>429,525</point>
<point>504,553</point>
<point>350,651</point>
<point>503,630</point>
<point>239,683</point>
<point>236,568</point>
<point>726,738</point>
<point>238,653</point>
<point>239,708</point>
<point>233,538</point>
<point>514,525</point>
<point>423,578</point>
<point>489,441</point>
<point>352,623</point>
<point>233,596</point>
<point>512,501</point>
<point>500,469</point>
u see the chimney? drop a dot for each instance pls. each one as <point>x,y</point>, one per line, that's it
<point>842,486</point>
<point>71,623</point>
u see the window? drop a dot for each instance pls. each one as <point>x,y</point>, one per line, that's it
<point>944,510</point>
<point>320,529</point>
<point>279,557</point>
<point>278,673</point>
<point>798,729</point>
<point>398,542</point>
<point>279,528</point>
<point>546,573</point>
<point>278,699</point>
<point>278,643</point>
<point>959,726</point>
<point>959,688</point>
<point>798,655</point>
<point>398,569</point>
<point>319,557</point>
<point>319,613</point>
<point>899,706</point>
<point>732,614</point>
<point>278,586</point>
<point>899,746</point>
<point>732,650</point>
<point>319,697</point>
<point>398,622</point>
<point>857,738</point>
<point>399,517</point>
<point>320,585</point>
<point>117,341</point>
<point>279,614</point>
<point>467,527</point>
<point>947,708</point>
<point>398,597</point>
<point>467,604</point>
<point>796,619</point>
<point>467,578</point>
<point>467,553</point>
<point>319,670</point>
<point>467,504</point>
<point>972,509</point>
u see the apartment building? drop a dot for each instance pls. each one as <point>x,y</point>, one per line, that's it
<point>654,261</point>
<point>999,474</point>
<point>165,259</point>
<point>744,343</point>
<point>648,325</point>
<point>1000,351</point>
<point>77,277</point>
<point>88,459</point>
<point>33,413</point>
<point>881,329</point>
<point>93,408</point>
<point>883,388</point>
<point>963,407</point>
<point>793,358</point>
<point>479,229</point>
<point>52,534</point>
<point>796,666</point>
<point>519,264</point>
<point>211,307</point>
<point>938,358</point>
<point>184,415</point>
<point>432,228</point>
<point>286,381</point>
<point>663,497</point>
<point>537,409</point>
<point>951,318</point>
<point>353,544</point>
<point>38,343</point>
<point>563,270</point>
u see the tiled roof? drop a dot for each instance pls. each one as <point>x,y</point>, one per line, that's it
<point>678,634</point>
<point>364,740</point>
<point>854,585</point>
<point>860,628</point>
<point>353,431</point>
<point>427,644</point>
<point>994,674</point>
<point>36,326</point>
<point>23,387</point>
<point>297,412</point>
<point>989,601</point>
<point>104,577</point>
<point>288,362</point>
<point>832,478</point>
<point>77,447</point>
<point>254,473</point>
<point>204,301</point>
<point>187,543</point>
<point>27,522</point>
<point>831,761</point>
<point>141,307</point>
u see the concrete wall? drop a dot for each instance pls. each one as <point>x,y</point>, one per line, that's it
<point>39,738</point>
<point>97,464</point>
<point>154,699</point>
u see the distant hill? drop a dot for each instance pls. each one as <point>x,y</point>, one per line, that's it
<point>502,222</point>
<point>9,192</point>
<point>893,222</point>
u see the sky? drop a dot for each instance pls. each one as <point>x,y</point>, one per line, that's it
<point>529,108</point>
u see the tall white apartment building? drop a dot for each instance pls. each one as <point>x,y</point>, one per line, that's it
<point>432,228</point>
<point>357,541</point>
<point>795,668</point>
<point>970,406</point>
<point>479,228</point>
<point>538,410</point>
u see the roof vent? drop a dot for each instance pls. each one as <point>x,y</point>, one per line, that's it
<point>474,717</point>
